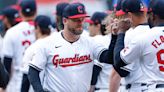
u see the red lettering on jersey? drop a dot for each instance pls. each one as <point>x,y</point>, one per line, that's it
<point>162,39</point>
<point>160,60</point>
<point>71,61</point>
<point>153,43</point>
<point>26,42</point>
<point>157,43</point>
<point>27,33</point>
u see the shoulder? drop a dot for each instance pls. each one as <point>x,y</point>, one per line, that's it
<point>142,27</point>
<point>85,33</point>
<point>51,39</point>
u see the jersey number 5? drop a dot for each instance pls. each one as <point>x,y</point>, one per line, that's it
<point>160,59</point>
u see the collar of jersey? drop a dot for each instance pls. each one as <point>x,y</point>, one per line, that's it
<point>67,40</point>
<point>144,24</point>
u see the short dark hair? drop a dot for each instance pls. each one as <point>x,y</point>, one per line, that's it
<point>12,21</point>
<point>103,29</point>
<point>45,31</point>
<point>44,23</point>
<point>139,13</point>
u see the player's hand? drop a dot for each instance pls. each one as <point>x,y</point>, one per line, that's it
<point>115,27</point>
<point>124,25</point>
<point>92,88</point>
<point>2,90</point>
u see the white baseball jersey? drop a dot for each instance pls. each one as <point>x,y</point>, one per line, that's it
<point>134,68</point>
<point>28,56</point>
<point>103,78</point>
<point>68,66</point>
<point>148,50</point>
<point>16,40</point>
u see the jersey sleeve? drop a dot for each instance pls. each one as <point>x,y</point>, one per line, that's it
<point>132,51</point>
<point>96,62</point>
<point>39,58</point>
<point>128,67</point>
<point>97,49</point>
<point>29,53</point>
<point>8,45</point>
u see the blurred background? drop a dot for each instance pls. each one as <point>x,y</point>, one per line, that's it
<point>47,7</point>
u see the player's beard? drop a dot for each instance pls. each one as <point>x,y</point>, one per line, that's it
<point>75,31</point>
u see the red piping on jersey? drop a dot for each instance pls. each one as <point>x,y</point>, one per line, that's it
<point>32,23</point>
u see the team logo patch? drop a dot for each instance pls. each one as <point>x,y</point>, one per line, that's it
<point>71,61</point>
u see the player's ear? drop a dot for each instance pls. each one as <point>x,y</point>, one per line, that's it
<point>64,20</point>
<point>130,15</point>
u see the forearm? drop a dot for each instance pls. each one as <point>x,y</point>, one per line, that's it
<point>7,63</point>
<point>118,62</point>
<point>34,79</point>
<point>114,81</point>
<point>107,55</point>
<point>95,74</point>
<point>118,47</point>
<point>25,84</point>
<point>4,77</point>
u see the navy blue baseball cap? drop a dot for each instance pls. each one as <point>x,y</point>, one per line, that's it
<point>10,12</point>
<point>44,22</point>
<point>28,6</point>
<point>157,7</point>
<point>60,7</point>
<point>118,6</point>
<point>97,18</point>
<point>133,6</point>
<point>75,10</point>
<point>119,10</point>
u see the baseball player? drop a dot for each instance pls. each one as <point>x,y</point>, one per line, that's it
<point>116,83</point>
<point>66,57</point>
<point>140,26</point>
<point>59,17</point>
<point>138,51</point>
<point>59,11</point>
<point>10,17</point>
<point>16,40</point>
<point>147,52</point>
<point>42,31</point>
<point>100,76</point>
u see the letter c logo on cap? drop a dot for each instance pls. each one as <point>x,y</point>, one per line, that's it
<point>80,9</point>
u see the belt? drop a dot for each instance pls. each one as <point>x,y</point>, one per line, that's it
<point>160,86</point>
<point>128,86</point>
